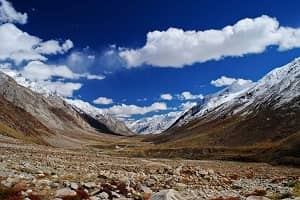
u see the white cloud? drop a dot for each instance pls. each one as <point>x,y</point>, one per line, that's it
<point>186,95</point>
<point>177,48</point>
<point>29,53</point>
<point>19,46</point>
<point>37,70</point>
<point>226,81</point>
<point>223,81</point>
<point>65,89</point>
<point>103,101</point>
<point>187,105</point>
<point>53,47</point>
<point>92,76</point>
<point>80,61</point>
<point>9,14</point>
<point>61,88</point>
<point>166,97</point>
<point>124,110</point>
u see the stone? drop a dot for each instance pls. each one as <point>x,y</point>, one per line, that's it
<point>89,185</point>
<point>74,186</point>
<point>257,198</point>
<point>103,195</point>
<point>180,186</point>
<point>150,182</point>
<point>44,182</point>
<point>177,171</point>
<point>115,195</point>
<point>94,198</point>
<point>211,172</point>
<point>65,192</point>
<point>145,189</point>
<point>166,195</point>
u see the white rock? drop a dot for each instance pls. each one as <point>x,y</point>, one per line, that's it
<point>166,195</point>
<point>145,189</point>
<point>116,195</point>
<point>257,198</point>
<point>103,195</point>
<point>89,185</point>
<point>44,182</point>
<point>95,198</point>
<point>65,192</point>
<point>74,186</point>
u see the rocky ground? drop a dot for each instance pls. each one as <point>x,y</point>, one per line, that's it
<point>39,172</point>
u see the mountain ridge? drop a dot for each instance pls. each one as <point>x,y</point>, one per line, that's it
<point>52,114</point>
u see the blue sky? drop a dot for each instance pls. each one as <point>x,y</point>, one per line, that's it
<point>108,39</point>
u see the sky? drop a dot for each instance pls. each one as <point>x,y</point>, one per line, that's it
<point>135,58</point>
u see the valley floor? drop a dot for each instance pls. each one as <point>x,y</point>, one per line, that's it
<point>38,172</point>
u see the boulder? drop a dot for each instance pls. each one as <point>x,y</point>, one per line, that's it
<point>65,192</point>
<point>166,195</point>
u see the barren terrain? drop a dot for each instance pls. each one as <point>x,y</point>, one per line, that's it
<point>29,171</point>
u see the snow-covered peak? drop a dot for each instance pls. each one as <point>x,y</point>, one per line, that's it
<point>279,86</point>
<point>154,124</point>
<point>282,83</point>
<point>85,106</point>
<point>32,85</point>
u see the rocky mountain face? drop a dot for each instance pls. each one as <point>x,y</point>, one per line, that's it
<point>35,114</point>
<point>262,116</point>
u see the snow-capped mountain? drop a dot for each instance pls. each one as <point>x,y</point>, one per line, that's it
<point>255,121</point>
<point>213,101</point>
<point>154,124</point>
<point>34,86</point>
<point>95,117</point>
<point>113,125</point>
<point>159,123</point>
<point>278,87</point>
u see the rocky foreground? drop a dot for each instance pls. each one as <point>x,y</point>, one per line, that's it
<point>39,172</point>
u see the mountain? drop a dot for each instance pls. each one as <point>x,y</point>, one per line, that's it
<point>243,121</point>
<point>49,119</point>
<point>93,114</point>
<point>154,124</point>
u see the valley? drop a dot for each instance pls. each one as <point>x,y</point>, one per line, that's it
<point>239,143</point>
<point>40,172</point>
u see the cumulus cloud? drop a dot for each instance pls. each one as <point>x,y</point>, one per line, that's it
<point>177,48</point>
<point>61,88</point>
<point>166,96</point>
<point>18,46</point>
<point>226,81</point>
<point>9,14</point>
<point>186,95</point>
<point>124,110</point>
<point>53,47</point>
<point>65,89</point>
<point>23,57</point>
<point>37,71</point>
<point>103,101</point>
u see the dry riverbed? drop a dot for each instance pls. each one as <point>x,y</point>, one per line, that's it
<point>38,172</point>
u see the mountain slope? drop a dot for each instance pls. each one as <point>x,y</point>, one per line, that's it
<point>259,119</point>
<point>50,118</point>
<point>95,116</point>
